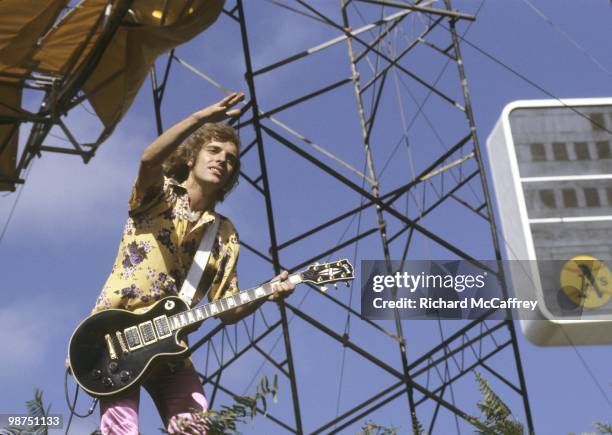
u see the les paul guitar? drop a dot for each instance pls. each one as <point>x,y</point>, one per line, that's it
<point>114,350</point>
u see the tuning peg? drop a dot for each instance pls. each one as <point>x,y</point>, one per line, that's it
<point>348,283</point>
<point>336,286</point>
<point>323,288</point>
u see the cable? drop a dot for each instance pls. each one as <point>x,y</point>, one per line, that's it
<point>588,369</point>
<point>584,363</point>
<point>58,137</point>
<point>8,220</point>
<point>347,323</point>
<point>529,81</point>
<point>569,38</point>
<point>501,63</point>
<point>71,407</point>
<point>297,11</point>
<point>88,110</point>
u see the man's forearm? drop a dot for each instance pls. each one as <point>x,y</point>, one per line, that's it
<point>238,313</point>
<point>281,287</point>
<point>168,141</point>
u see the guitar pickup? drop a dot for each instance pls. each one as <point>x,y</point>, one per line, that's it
<point>132,336</point>
<point>147,332</point>
<point>162,327</point>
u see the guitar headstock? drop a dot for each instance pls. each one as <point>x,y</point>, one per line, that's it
<point>319,274</point>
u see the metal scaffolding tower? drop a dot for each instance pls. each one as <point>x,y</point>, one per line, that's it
<point>384,53</point>
<point>406,181</point>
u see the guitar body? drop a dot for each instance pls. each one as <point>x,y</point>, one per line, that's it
<point>114,350</point>
<point>103,359</point>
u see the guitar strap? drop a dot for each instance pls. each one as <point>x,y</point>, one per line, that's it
<point>200,260</point>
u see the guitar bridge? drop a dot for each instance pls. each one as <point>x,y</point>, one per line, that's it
<point>110,347</point>
<point>121,341</point>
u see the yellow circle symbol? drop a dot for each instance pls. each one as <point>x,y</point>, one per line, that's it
<point>586,281</point>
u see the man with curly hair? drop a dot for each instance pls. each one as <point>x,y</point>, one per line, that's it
<point>183,174</point>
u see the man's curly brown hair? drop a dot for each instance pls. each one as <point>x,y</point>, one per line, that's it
<point>176,166</point>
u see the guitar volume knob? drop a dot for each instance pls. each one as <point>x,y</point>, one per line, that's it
<point>96,374</point>
<point>108,382</point>
<point>124,375</point>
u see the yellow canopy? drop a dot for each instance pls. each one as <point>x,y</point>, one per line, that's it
<point>22,24</point>
<point>31,42</point>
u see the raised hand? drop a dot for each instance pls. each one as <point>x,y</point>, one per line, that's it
<point>220,110</point>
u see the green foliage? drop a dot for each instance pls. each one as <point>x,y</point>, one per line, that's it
<point>603,428</point>
<point>225,420</point>
<point>498,417</point>
<point>417,427</point>
<point>371,428</point>
<point>36,408</point>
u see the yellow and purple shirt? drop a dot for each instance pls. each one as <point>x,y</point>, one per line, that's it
<point>160,239</point>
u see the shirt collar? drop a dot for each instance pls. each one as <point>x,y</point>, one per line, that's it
<point>206,216</point>
<point>178,186</point>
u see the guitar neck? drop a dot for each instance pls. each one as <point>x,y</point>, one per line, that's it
<point>201,313</point>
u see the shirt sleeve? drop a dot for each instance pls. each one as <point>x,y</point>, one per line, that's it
<point>103,302</point>
<point>225,282</point>
<point>155,199</point>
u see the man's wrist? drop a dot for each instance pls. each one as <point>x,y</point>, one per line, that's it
<point>198,118</point>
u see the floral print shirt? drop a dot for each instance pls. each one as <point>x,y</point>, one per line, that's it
<point>160,239</point>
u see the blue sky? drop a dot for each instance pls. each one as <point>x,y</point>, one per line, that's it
<point>63,235</point>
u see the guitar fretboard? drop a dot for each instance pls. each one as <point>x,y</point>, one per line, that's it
<point>201,313</point>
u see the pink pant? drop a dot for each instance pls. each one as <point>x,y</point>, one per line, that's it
<point>175,392</point>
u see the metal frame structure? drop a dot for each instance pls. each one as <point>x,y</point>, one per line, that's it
<point>425,379</point>
<point>223,344</point>
<point>61,94</point>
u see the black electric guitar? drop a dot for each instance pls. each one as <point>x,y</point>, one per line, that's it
<point>114,350</point>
